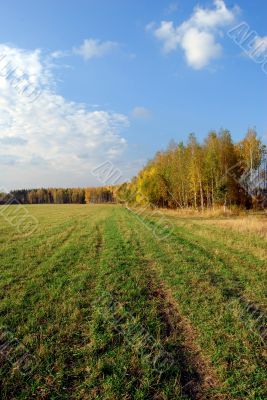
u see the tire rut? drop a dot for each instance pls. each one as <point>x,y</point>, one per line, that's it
<point>198,378</point>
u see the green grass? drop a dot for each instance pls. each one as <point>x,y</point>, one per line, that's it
<point>110,312</point>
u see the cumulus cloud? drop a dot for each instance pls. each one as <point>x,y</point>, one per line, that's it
<point>92,48</point>
<point>197,36</point>
<point>140,112</point>
<point>48,130</point>
<point>200,47</point>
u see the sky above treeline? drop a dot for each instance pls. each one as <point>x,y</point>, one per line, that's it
<point>89,81</point>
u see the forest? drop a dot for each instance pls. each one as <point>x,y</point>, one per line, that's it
<point>217,172</point>
<point>61,196</point>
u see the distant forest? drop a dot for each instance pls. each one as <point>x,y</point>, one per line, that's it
<point>215,173</point>
<point>62,196</point>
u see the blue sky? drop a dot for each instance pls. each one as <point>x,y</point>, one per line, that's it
<point>118,79</point>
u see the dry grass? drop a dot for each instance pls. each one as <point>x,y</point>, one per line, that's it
<point>238,220</point>
<point>251,224</point>
<point>207,213</point>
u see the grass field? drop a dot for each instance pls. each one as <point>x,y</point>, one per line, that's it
<point>94,306</point>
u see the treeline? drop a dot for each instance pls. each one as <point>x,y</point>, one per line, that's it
<point>216,172</point>
<point>61,196</point>
<point>200,175</point>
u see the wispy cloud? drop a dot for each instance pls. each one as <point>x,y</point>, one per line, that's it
<point>89,49</point>
<point>197,36</point>
<point>61,134</point>
<point>92,48</point>
<point>140,112</point>
<point>61,53</point>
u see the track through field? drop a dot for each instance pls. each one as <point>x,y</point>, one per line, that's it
<point>108,311</point>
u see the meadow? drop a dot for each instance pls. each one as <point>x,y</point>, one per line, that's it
<point>95,305</point>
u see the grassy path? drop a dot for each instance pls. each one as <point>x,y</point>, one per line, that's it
<point>110,312</point>
<point>210,293</point>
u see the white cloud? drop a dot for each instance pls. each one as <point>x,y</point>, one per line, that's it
<point>60,54</point>
<point>92,48</point>
<point>169,35</point>
<point>50,131</point>
<point>140,112</point>
<point>220,16</point>
<point>200,47</point>
<point>197,35</point>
